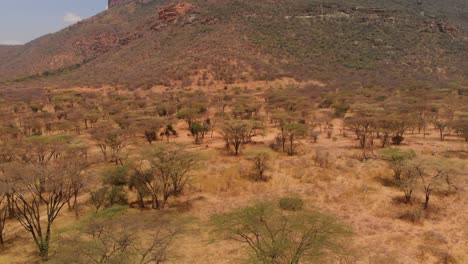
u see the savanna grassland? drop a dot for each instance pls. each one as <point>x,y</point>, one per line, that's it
<point>283,172</point>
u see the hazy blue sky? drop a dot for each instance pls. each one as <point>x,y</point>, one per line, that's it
<point>24,20</point>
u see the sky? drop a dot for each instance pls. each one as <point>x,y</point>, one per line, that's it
<point>24,20</point>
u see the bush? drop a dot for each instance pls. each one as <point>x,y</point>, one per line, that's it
<point>413,215</point>
<point>340,110</point>
<point>396,140</point>
<point>259,159</point>
<point>291,204</point>
<point>116,176</point>
<point>117,195</point>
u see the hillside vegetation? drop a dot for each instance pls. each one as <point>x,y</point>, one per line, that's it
<point>204,42</point>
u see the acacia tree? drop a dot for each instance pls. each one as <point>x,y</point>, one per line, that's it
<point>3,212</point>
<point>164,172</point>
<point>75,170</point>
<point>6,192</point>
<point>399,125</point>
<point>168,132</point>
<point>143,180</point>
<point>443,121</point>
<point>126,239</point>
<point>397,159</point>
<point>151,127</point>
<point>234,133</point>
<point>275,236</point>
<point>43,149</point>
<point>362,126</point>
<point>433,176</point>
<point>199,129</point>
<point>259,159</point>
<point>173,165</point>
<point>282,119</point>
<point>398,116</point>
<point>461,126</point>
<point>33,204</point>
<point>293,132</point>
<point>110,139</point>
<point>407,183</point>
<point>137,183</point>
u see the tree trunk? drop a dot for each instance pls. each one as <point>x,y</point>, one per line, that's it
<point>291,143</point>
<point>10,206</point>
<point>408,196</point>
<point>154,202</point>
<point>426,204</point>
<point>75,204</point>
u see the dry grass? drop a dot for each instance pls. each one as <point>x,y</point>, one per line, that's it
<point>349,189</point>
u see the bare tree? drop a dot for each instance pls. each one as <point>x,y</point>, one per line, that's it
<point>75,171</point>
<point>111,139</point>
<point>120,240</point>
<point>259,159</point>
<point>164,172</point>
<point>363,126</point>
<point>443,121</point>
<point>407,183</point>
<point>32,203</point>
<point>173,165</point>
<point>3,213</point>
<point>156,249</point>
<point>431,181</point>
<point>233,133</point>
<point>239,132</point>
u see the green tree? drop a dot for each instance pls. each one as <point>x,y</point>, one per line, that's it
<point>397,159</point>
<point>276,237</point>
<point>168,132</point>
<point>199,129</point>
<point>150,127</point>
<point>293,132</point>
<point>461,126</point>
<point>116,179</point>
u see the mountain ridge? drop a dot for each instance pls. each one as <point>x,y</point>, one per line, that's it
<point>170,43</point>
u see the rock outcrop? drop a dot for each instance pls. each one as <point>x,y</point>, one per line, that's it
<point>172,11</point>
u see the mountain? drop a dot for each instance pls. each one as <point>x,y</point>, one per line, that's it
<point>161,42</point>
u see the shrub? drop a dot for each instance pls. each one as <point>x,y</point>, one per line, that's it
<point>259,159</point>
<point>413,215</point>
<point>291,204</point>
<point>116,176</point>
